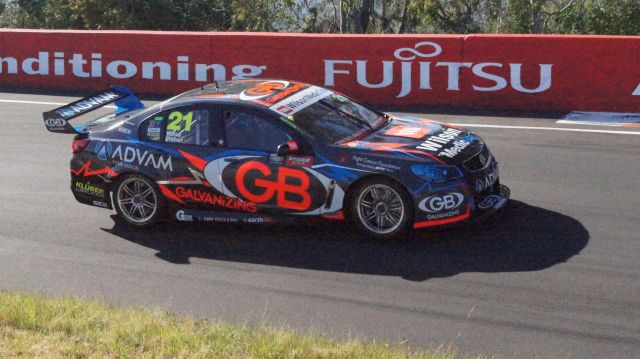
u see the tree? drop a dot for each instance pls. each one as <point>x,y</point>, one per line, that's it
<point>331,16</point>
<point>602,17</point>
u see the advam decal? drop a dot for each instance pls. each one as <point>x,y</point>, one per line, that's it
<point>126,156</point>
<point>89,103</point>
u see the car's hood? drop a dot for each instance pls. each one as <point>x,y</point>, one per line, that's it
<point>420,138</point>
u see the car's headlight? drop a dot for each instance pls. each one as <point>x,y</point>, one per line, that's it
<point>435,173</point>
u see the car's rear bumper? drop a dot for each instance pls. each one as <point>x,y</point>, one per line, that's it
<point>87,187</point>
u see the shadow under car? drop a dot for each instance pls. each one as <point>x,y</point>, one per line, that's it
<point>521,238</point>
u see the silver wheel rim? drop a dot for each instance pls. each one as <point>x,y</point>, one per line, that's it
<point>137,200</point>
<point>380,209</point>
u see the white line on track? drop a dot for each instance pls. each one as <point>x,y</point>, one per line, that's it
<point>591,123</point>
<point>34,102</point>
<point>548,128</point>
<point>41,103</point>
<point>456,124</point>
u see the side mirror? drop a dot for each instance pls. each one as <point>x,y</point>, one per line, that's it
<point>287,149</point>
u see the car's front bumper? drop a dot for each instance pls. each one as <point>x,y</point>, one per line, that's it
<point>490,204</point>
<point>477,209</point>
<point>478,195</point>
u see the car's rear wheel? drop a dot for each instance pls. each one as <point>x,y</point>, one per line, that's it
<point>382,209</point>
<point>137,201</point>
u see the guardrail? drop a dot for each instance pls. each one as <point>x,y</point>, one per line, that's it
<point>523,72</point>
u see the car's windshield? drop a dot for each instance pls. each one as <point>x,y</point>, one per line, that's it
<point>336,119</point>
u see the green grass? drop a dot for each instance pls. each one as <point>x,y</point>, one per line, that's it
<point>39,327</point>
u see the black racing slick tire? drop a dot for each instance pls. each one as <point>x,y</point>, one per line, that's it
<point>138,201</point>
<point>381,209</point>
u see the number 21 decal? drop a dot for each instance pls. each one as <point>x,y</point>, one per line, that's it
<point>176,119</point>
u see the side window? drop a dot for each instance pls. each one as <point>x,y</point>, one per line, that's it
<point>250,131</point>
<point>151,128</point>
<point>187,125</point>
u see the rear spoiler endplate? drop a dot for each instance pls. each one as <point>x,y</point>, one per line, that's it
<point>57,120</point>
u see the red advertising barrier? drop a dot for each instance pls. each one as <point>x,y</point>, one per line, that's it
<point>519,72</point>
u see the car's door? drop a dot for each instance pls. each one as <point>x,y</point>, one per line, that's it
<point>254,172</point>
<point>189,136</point>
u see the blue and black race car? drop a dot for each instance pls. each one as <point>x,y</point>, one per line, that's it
<point>256,151</point>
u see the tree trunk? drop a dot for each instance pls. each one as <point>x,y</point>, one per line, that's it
<point>364,15</point>
<point>405,17</point>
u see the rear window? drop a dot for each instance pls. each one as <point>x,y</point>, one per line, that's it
<point>151,129</point>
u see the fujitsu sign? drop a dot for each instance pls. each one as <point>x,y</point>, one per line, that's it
<point>415,71</point>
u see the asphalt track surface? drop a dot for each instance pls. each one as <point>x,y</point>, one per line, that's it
<point>556,275</point>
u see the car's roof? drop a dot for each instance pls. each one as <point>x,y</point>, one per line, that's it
<point>264,92</point>
<point>236,87</point>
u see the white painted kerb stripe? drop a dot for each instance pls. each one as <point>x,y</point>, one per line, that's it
<point>547,128</point>
<point>589,123</point>
<point>42,103</point>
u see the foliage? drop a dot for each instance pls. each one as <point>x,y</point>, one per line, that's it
<point>620,17</point>
<point>38,327</point>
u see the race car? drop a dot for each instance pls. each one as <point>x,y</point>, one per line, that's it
<point>259,151</point>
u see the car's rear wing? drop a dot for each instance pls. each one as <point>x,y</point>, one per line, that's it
<point>58,120</point>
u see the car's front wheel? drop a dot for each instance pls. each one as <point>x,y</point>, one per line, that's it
<point>382,209</point>
<point>137,201</point>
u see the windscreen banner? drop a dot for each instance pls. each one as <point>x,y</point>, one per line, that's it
<point>506,72</point>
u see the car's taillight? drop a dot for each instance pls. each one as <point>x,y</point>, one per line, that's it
<point>79,145</point>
